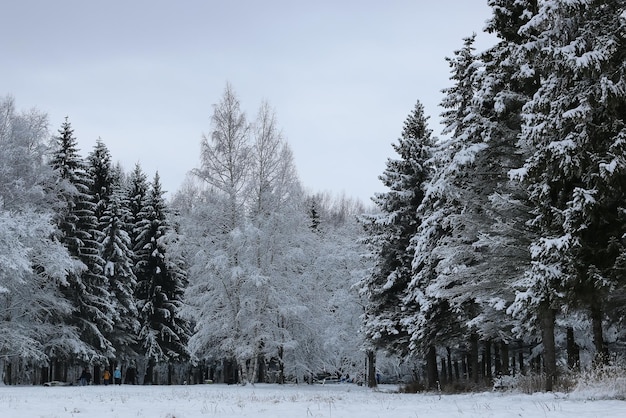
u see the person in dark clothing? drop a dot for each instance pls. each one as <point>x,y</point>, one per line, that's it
<point>84,377</point>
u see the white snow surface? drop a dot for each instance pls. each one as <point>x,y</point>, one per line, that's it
<point>266,400</point>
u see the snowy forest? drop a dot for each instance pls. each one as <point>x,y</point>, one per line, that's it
<point>498,249</point>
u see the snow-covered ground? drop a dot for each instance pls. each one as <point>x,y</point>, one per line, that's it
<point>261,400</point>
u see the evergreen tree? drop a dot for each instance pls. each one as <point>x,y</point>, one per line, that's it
<point>136,195</point>
<point>435,303</point>
<point>116,246</point>
<point>102,177</point>
<point>119,263</point>
<point>575,123</point>
<point>390,231</point>
<point>88,292</point>
<point>160,286</point>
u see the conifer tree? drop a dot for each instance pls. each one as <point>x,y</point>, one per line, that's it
<point>115,245</point>
<point>119,262</point>
<point>88,292</point>
<point>161,282</point>
<point>102,177</point>
<point>389,233</point>
<point>137,189</point>
<point>440,245</point>
<point>575,124</point>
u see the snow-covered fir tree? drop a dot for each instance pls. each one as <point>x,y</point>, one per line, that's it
<point>102,177</point>
<point>119,262</point>
<point>136,194</point>
<point>88,292</point>
<point>389,233</point>
<point>575,124</point>
<point>112,213</point>
<point>442,244</point>
<point>161,282</point>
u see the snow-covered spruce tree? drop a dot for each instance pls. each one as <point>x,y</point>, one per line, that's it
<point>161,282</point>
<point>136,194</point>
<point>115,246</point>
<point>575,175</point>
<point>88,292</point>
<point>492,249</point>
<point>119,262</point>
<point>33,264</point>
<point>442,245</point>
<point>102,177</point>
<point>388,232</point>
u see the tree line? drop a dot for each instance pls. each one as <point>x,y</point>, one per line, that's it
<point>87,278</point>
<point>494,250</point>
<point>507,236</point>
<point>241,276</point>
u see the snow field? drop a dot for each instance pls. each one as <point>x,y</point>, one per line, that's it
<point>263,400</point>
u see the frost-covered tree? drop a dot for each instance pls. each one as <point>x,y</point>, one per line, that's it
<point>575,123</point>
<point>217,266</point>
<point>506,82</point>
<point>119,262</point>
<point>442,244</point>
<point>115,246</point>
<point>247,253</point>
<point>225,156</point>
<point>33,264</point>
<point>136,194</point>
<point>389,232</point>
<point>100,170</point>
<point>251,256</point>
<point>274,222</point>
<point>161,283</point>
<point>88,292</point>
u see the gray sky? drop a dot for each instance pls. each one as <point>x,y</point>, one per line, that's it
<point>143,75</point>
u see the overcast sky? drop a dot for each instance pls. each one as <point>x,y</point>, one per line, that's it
<point>143,75</point>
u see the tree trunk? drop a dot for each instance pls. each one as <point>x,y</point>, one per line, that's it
<point>149,376</point>
<point>45,371</point>
<point>58,370</point>
<point>488,364</point>
<point>449,352</point>
<point>548,317</point>
<point>602,352</point>
<point>444,374</point>
<point>254,370</point>
<point>521,358</point>
<point>281,365</point>
<point>497,358</point>
<point>431,367</point>
<point>473,357</point>
<point>464,367</point>
<point>371,369</point>
<point>260,375</point>
<point>573,351</point>
<point>513,366</point>
<point>504,347</point>
<point>96,374</point>
<point>2,362</point>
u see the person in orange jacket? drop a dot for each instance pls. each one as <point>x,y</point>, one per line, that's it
<point>106,376</point>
